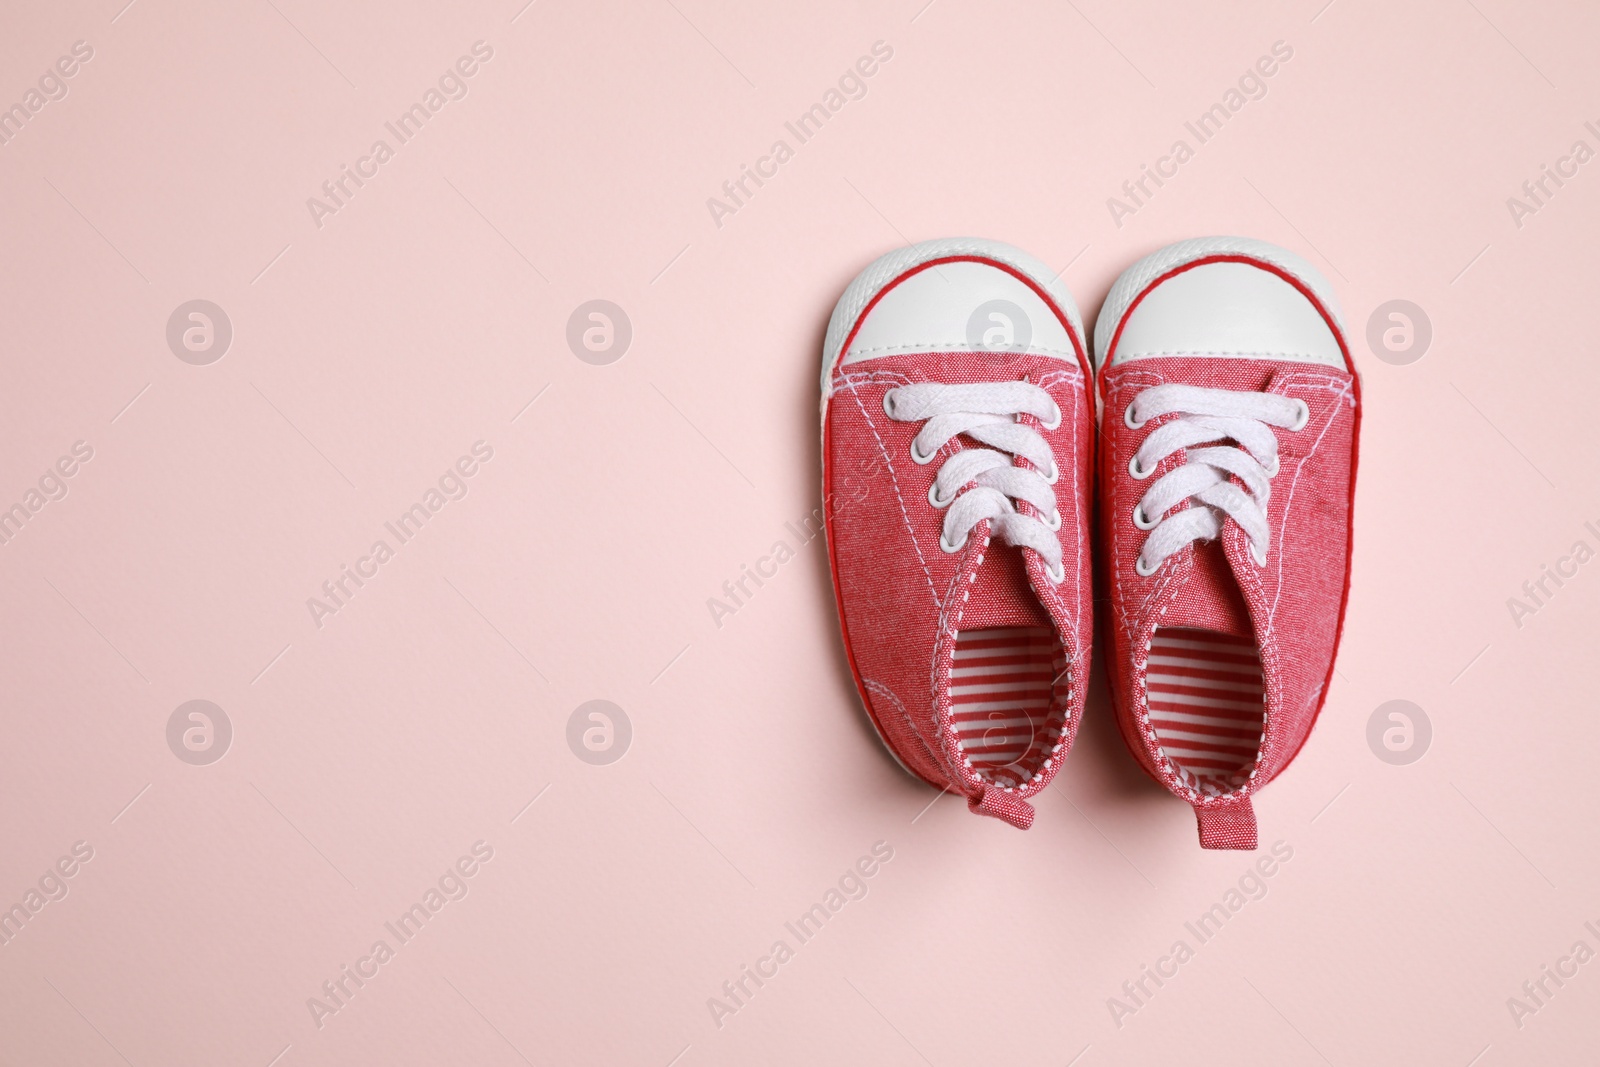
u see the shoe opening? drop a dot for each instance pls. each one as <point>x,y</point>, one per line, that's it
<point>1003,685</point>
<point>1207,705</point>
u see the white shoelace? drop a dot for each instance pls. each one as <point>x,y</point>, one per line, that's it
<point>1207,416</point>
<point>987,412</point>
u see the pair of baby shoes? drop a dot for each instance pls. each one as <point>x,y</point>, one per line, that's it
<point>970,446</point>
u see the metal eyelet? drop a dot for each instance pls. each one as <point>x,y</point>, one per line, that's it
<point>918,458</point>
<point>1052,521</point>
<point>948,547</point>
<point>1302,418</point>
<point>1260,557</point>
<point>1128,419</point>
<point>1272,471</point>
<point>1058,574</point>
<point>1141,521</point>
<point>1054,474</point>
<point>935,499</point>
<point>1139,567</point>
<point>1055,421</point>
<point>1138,471</point>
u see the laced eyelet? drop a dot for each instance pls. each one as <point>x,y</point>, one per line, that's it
<point>1054,474</point>
<point>1052,521</point>
<point>1272,471</point>
<point>1259,556</point>
<point>1138,471</point>
<point>1058,574</point>
<point>888,403</point>
<point>1303,417</point>
<point>918,458</point>
<point>1140,570</point>
<point>948,547</point>
<point>1127,418</point>
<point>1055,420</point>
<point>935,499</point>
<point>1141,521</point>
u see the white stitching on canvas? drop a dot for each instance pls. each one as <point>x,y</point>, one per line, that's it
<point>940,346</point>
<point>894,480</point>
<point>1299,356</point>
<point>878,689</point>
<point>1341,389</point>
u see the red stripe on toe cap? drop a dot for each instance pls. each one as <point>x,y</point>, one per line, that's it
<point>1206,704</point>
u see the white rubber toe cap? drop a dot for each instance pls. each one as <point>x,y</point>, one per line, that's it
<point>989,303</point>
<point>960,307</point>
<point>1241,308</point>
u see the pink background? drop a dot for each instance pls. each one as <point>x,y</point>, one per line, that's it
<point>372,352</point>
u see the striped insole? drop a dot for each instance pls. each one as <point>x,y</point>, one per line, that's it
<point>1207,705</point>
<point>1000,684</point>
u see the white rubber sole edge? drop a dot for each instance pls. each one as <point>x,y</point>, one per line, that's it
<point>885,269</point>
<point>1136,278</point>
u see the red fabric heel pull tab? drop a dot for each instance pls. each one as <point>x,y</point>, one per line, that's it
<point>1008,807</point>
<point>1227,824</point>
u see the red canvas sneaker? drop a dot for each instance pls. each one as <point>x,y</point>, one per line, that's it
<point>1229,409</point>
<point>956,436</point>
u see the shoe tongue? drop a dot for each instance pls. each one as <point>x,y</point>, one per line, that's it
<point>1002,595</point>
<point>1210,597</point>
